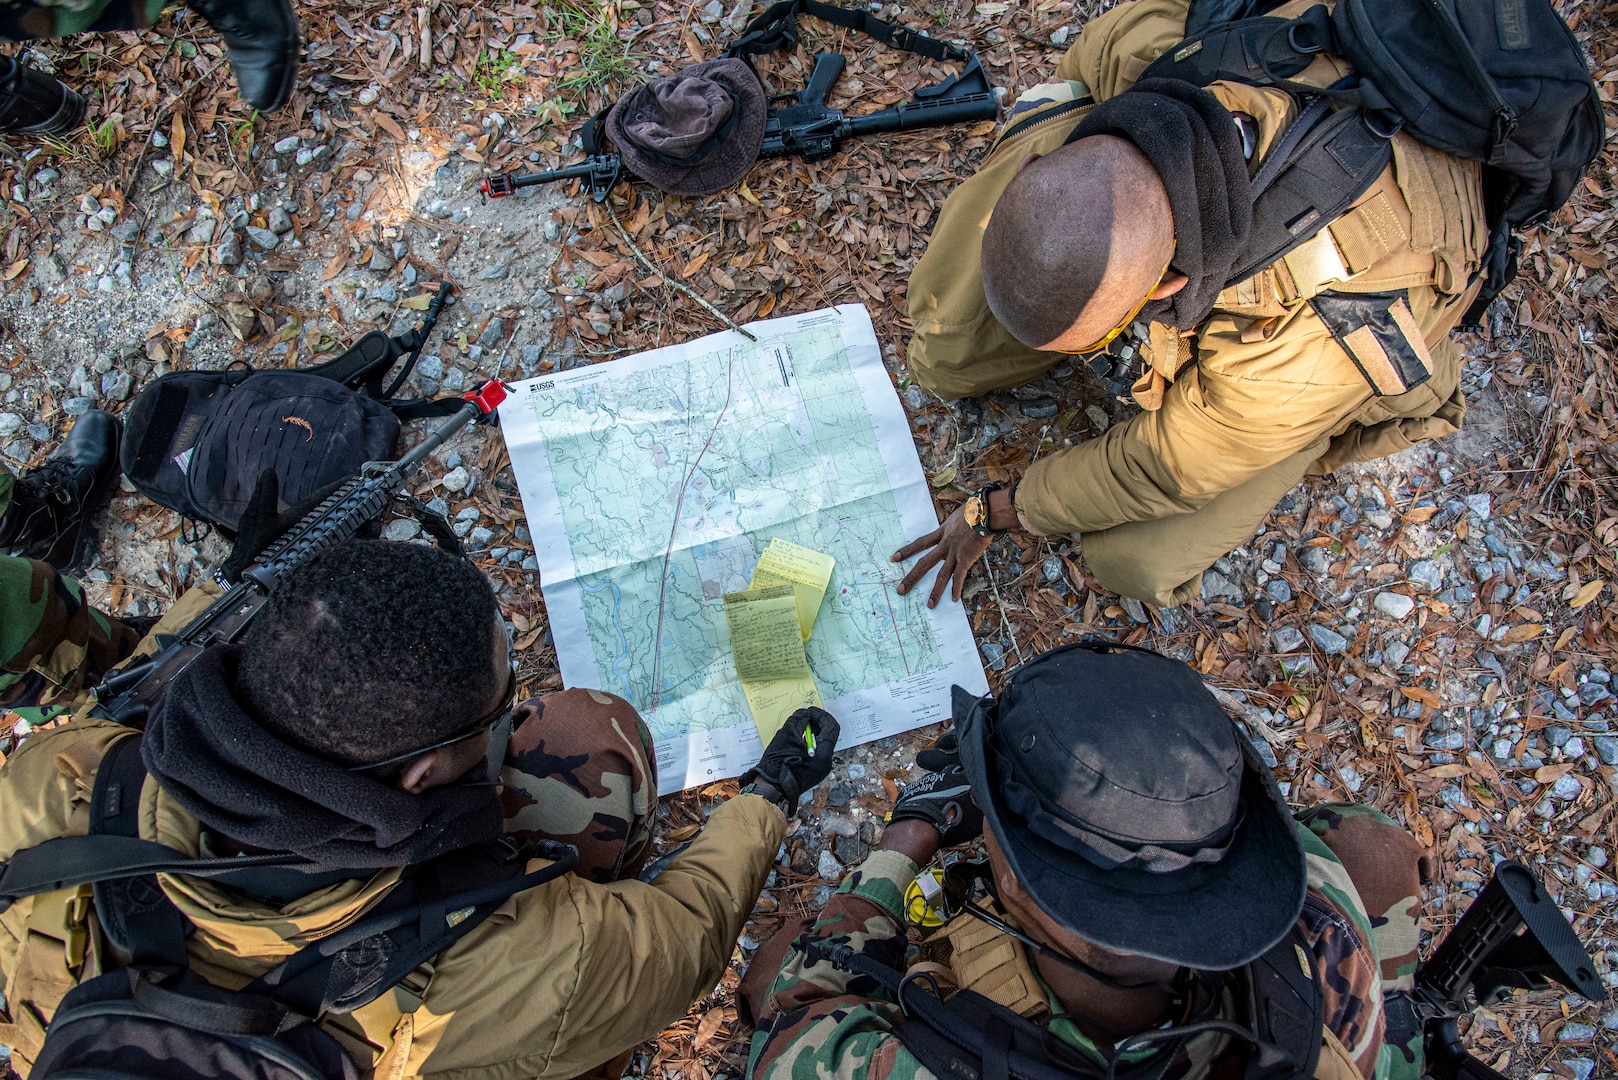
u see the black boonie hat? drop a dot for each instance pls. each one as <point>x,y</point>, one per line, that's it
<point>1130,808</point>
<point>695,132</point>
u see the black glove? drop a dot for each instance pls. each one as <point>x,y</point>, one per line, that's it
<point>943,754</point>
<point>942,798</point>
<point>798,757</point>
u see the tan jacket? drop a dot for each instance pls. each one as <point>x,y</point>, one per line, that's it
<point>1263,379</point>
<point>562,978</point>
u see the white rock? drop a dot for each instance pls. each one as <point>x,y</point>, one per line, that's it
<point>829,867</point>
<point>1396,606</point>
<point>456,479</point>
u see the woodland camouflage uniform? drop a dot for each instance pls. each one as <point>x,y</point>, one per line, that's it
<point>817,1023</point>
<point>52,642</point>
<point>23,20</point>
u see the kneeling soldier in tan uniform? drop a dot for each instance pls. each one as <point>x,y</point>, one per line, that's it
<point>1078,225</point>
<point>351,726</point>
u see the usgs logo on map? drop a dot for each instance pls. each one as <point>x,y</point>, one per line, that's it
<point>653,483</point>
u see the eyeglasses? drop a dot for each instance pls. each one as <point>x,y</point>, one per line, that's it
<point>486,724</point>
<point>1121,327</point>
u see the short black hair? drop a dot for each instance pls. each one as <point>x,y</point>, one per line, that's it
<point>370,650</point>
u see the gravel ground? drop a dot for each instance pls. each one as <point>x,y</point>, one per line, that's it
<point>1428,633</point>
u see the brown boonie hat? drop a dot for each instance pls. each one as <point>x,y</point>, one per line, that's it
<point>695,132</point>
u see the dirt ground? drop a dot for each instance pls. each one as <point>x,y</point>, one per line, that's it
<point>1431,633</point>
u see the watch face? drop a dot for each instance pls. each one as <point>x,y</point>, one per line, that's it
<point>973,508</point>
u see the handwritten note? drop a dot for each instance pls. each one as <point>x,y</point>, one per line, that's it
<point>764,634</point>
<point>807,571</point>
<point>767,647</point>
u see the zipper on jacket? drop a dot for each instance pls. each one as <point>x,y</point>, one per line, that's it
<point>1053,113</point>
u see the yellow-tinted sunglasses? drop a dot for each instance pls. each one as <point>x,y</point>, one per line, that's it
<point>1121,327</point>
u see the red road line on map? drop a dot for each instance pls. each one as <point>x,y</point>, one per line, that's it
<point>898,638</point>
<point>668,552</point>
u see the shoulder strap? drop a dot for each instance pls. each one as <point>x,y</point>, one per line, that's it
<point>419,919</point>
<point>85,860</point>
<point>1286,1005</point>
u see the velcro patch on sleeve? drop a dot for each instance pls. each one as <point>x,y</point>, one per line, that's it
<point>1379,333</point>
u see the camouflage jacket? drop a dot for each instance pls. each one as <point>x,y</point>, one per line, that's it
<point>819,1023</point>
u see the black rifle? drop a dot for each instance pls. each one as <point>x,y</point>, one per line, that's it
<point>128,695</point>
<point>1513,937</point>
<point>805,126</point>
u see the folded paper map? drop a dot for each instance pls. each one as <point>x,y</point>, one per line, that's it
<point>657,484</point>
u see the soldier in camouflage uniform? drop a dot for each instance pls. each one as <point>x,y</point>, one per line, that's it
<point>1140,860</point>
<point>52,642</point>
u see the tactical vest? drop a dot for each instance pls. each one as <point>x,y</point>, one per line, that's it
<point>1282,989</point>
<point>1420,223</point>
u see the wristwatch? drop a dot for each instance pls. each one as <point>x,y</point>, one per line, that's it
<point>976,510</point>
<point>765,790</point>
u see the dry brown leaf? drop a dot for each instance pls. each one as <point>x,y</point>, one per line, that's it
<point>335,265</point>
<point>1523,632</point>
<point>1550,774</point>
<point>386,123</point>
<point>1425,696</point>
<point>1417,515</point>
<point>1585,595</point>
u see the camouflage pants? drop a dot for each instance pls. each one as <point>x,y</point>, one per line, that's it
<point>52,642</point>
<point>24,20</point>
<point>580,769</point>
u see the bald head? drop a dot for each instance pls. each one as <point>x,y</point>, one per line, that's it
<point>1078,237</point>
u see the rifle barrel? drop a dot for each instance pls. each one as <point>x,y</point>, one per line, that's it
<point>919,114</point>
<point>504,184</point>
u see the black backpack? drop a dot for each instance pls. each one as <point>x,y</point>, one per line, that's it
<point>1502,82</point>
<point>196,441</point>
<point>155,1018</point>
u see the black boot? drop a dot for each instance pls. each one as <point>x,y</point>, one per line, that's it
<point>50,508</point>
<point>33,103</point>
<point>262,36</point>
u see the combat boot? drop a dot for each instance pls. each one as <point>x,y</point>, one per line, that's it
<point>48,517</point>
<point>262,37</point>
<point>34,103</point>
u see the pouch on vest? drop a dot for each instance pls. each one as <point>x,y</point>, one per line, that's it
<point>1502,82</point>
<point>196,441</point>
<point>1379,333</point>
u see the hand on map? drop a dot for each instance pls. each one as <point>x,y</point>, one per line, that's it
<point>955,547</point>
<point>799,755</point>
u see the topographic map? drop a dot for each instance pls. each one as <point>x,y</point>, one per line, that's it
<point>653,483</point>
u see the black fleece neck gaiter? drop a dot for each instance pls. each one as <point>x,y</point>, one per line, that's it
<point>1193,143</point>
<point>240,780</point>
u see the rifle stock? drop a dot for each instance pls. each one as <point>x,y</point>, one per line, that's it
<point>1513,937</point>
<point>127,696</point>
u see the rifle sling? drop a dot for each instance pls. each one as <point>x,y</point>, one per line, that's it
<point>777,28</point>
